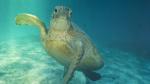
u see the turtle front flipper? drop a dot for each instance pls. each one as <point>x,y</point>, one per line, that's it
<point>28,19</point>
<point>74,64</point>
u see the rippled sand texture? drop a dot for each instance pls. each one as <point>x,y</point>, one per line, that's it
<point>123,68</point>
<point>26,62</point>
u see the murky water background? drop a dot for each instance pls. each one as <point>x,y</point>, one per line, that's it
<point>119,29</point>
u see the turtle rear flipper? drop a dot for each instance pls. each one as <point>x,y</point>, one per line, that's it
<point>28,19</point>
<point>92,75</point>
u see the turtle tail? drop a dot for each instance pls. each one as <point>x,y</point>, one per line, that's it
<point>28,19</point>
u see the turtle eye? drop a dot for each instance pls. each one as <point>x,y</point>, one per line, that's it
<point>55,10</point>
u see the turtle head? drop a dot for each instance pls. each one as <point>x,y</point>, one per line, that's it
<point>62,12</point>
<point>61,18</point>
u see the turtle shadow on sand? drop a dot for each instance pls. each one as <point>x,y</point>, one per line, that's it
<point>66,43</point>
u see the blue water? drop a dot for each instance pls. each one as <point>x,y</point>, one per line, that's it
<point>120,30</point>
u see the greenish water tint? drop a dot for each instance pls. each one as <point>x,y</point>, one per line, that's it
<point>26,62</point>
<point>119,28</point>
<point>30,64</point>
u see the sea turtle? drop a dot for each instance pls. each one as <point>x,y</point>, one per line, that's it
<point>66,43</point>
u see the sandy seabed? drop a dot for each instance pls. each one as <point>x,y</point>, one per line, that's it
<point>26,62</point>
